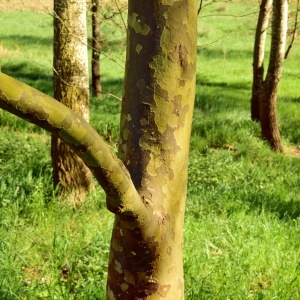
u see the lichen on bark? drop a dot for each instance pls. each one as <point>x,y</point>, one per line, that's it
<point>155,129</point>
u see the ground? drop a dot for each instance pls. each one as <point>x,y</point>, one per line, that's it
<point>45,5</point>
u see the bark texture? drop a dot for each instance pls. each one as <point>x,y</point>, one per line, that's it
<point>269,126</point>
<point>96,49</point>
<point>293,31</point>
<point>42,110</point>
<point>71,87</point>
<point>146,191</point>
<point>146,257</point>
<point>258,56</point>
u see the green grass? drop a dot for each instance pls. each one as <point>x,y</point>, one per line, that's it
<point>242,221</point>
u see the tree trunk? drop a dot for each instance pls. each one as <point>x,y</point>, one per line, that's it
<point>293,31</point>
<point>269,127</point>
<point>258,56</point>
<point>71,87</point>
<point>146,257</point>
<point>147,191</point>
<point>96,49</point>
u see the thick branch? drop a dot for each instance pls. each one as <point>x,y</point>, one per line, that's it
<point>44,111</point>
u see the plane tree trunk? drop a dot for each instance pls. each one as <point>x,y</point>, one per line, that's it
<point>146,259</point>
<point>146,189</point>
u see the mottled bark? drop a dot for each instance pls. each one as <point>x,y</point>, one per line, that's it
<point>146,191</point>
<point>42,110</point>
<point>96,49</point>
<point>258,56</point>
<point>146,260</point>
<point>269,126</point>
<point>71,87</point>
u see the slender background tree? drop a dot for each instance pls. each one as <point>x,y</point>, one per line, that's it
<point>259,55</point>
<point>268,120</point>
<point>96,48</point>
<point>71,87</point>
<point>293,31</point>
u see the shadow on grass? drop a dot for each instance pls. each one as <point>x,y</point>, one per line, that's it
<point>218,53</point>
<point>42,81</point>
<point>27,41</point>
<point>221,96</point>
<point>294,100</point>
<point>265,202</point>
<point>116,45</point>
<point>233,85</point>
<point>30,75</point>
<point>254,201</point>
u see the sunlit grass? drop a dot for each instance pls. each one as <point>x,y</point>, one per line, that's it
<point>242,214</point>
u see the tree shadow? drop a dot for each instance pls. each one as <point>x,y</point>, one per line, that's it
<point>219,52</point>
<point>26,41</point>
<point>30,75</point>
<point>293,100</point>
<point>262,201</point>
<point>217,96</point>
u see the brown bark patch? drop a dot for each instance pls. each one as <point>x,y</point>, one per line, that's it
<point>164,289</point>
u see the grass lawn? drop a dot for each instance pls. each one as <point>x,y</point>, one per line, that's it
<point>242,222</point>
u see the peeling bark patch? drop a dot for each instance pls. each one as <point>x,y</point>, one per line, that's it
<point>179,55</point>
<point>137,23</point>
<point>161,92</point>
<point>162,217</point>
<point>141,85</point>
<point>164,289</point>
<point>144,122</point>
<point>159,146</point>
<point>38,111</point>
<point>180,111</point>
<point>181,82</point>
<point>110,294</point>
<point>129,278</point>
<point>169,250</point>
<point>124,286</point>
<point>138,48</point>
<point>147,288</point>
<point>118,267</point>
<point>67,122</point>
<point>117,247</point>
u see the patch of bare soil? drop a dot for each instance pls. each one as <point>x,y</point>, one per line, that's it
<point>291,151</point>
<point>22,5</point>
<point>5,52</point>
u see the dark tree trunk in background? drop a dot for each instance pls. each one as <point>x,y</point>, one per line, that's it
<point>269,126</point>
<point>71,87</point>
<point>258,56</point>
<point>96,49</point>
